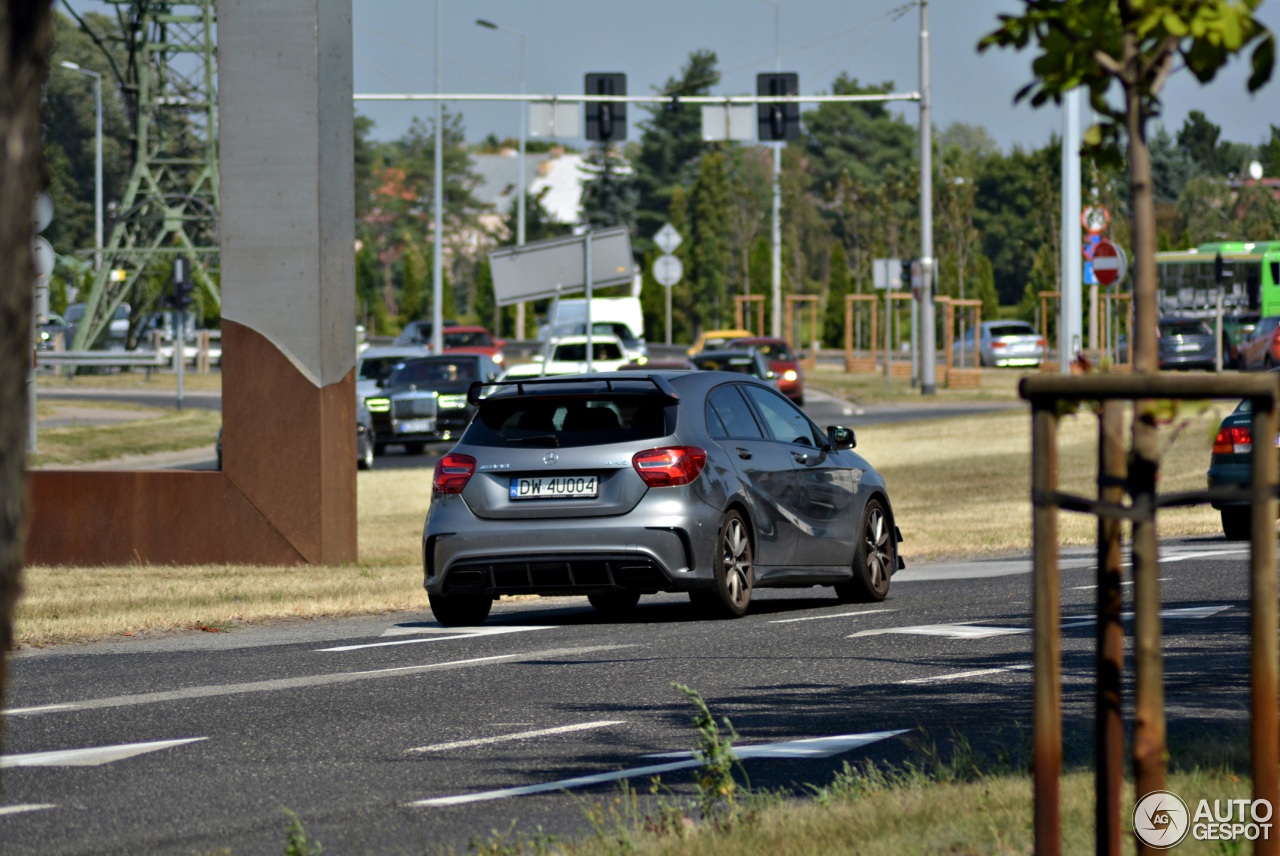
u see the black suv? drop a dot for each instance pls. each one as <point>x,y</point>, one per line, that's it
<point>424,400</point>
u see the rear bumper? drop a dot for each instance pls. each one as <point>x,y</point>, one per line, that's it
<point>466,554</point>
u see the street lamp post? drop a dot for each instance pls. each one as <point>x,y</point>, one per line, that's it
<point>97,163</point>
<point>520,202</point>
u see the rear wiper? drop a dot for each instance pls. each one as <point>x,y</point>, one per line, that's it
<point>548,439</point>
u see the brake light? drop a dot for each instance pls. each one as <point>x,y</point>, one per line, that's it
<point>669,466</point>
<point>1040,343</point>
<point>452,473</point>
<point>998,344</point>
<point>1234,440</point>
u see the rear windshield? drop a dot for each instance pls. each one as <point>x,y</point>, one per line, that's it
<point>1012,329</point>
<point>437,371</point>
<point>771,350</point>
<point>741,365</point>
<point>467,339</point>
<point>577,353</point>
<point>560,422</point>
<point>1184,328</point>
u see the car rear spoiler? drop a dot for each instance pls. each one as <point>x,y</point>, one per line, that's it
<point>480,390</point>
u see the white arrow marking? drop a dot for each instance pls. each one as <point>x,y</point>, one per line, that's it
<point>982,631</point>
<point>837,615</point>
<point>819,747</point>
<point>91,757</point>
<point>435,634</point>
<point>976,673</point>
<point>523,735</point>
<point>25,807</point>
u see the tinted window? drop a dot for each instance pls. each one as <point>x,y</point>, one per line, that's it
<point>784,419</point>
<point>729,416</point>
<point>1011,329</point>
<point>565,422</point>
<point>378,368</point>
<point>1184,328</point>
<point>467,339</point>
<point>577,353</point>
<point>436,371</point>
<point>746,364</point>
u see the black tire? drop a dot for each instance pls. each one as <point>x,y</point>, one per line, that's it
<point>734,569</point>
<point>460,610</point>
<point>874,560</point>
<point>365,461</point>
<point>614,602</point>
<point>1236,523</point>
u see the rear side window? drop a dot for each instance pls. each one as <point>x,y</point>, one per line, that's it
<point>785,421</point>
<point>729,416</point>
<point>555,422</point>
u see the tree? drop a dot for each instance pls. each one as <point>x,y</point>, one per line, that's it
<point>1270,152</point>
<point>26,44</point>
<point>839,285</point>
<point>670,145</point>
<point>1136,45</point>
<point>1171,166</point>
<point>415,275</point>
<point>709,245</point>
<point>682,291</point>
<point>857,138</point>
<point>1198,137</point>
<point>609,194</point>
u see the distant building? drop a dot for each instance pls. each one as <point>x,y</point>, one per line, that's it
<point>559,174</point>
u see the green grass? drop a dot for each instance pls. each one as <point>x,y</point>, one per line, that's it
<point>161,430</point>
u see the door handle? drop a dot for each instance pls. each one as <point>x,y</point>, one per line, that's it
<point>800,457</point>
<point>745,454</point>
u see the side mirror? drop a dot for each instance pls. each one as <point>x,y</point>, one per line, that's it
<point>841,437</point>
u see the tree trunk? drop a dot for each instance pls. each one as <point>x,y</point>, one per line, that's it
<point>26,43</point>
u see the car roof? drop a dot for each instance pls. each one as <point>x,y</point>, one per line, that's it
<point>691,383</point>
<point>393,351</point>
<point>582,340</point>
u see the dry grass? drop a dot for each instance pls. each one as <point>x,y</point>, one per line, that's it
<point>156,381</point>
<point>160,430</point>
<point>960,487</point>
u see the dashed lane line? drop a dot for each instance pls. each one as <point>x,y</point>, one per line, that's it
<point>93,756</point>
<point>304,682</point>
<point>976,673</point>
<point>837,615</point>
<point>522,735</point>
<point>433,634</point>
<point>23,808</point>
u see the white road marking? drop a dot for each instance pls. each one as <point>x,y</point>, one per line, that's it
<point>1202,554</point>
<point>437,634</point>
<point>820,747</point>
<point>496,630</point>
<point>44,708</point>
<point>810,747</point>
<point>976,673</point>
<point>523,735</point>
<point>983,631</point>
<point>91,757</point>
<point>1122,582</point>
<point>839,615</point>
<point>306,681</point>
<point>24,807</point>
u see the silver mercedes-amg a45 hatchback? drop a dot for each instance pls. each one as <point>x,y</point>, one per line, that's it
<point>616,485</point>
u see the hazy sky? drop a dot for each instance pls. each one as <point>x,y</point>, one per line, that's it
<point>873,40</point>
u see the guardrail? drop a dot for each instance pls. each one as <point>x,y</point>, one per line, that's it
<point>109,359</point>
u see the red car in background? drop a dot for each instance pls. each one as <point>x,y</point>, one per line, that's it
<point>461,339</point>
<point>781,360</point>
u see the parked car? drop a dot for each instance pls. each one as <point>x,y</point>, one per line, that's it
<point>471,340</point>
<point>746,361</point>
<point>783,362</point>
<point>632,483</point>
<point>424,400</point>
<point>375,365</point>
<point>1000,343</point>
<point>711,340</point>
<point>1262,349</point>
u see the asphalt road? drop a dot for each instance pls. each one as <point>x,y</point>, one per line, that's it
<point>380,733</point>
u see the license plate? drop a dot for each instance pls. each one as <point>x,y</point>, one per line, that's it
<point>1182,349</point>
<point>416,426</point>
<point>555,487</point>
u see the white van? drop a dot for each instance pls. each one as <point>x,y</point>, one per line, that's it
<point>614,316</point>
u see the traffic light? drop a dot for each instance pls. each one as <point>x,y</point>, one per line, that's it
<point>606,120</point>
<point>778,121</point>
<point>181,282</point>
<point>1220,271</point>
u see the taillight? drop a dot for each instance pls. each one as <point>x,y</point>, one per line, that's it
<point>998,344</point>
<point>452,473</point>
<point>669,466</point>
<point>1234,440</point>
<point>1040,343</point>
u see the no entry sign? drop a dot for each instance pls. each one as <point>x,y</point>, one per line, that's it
<point>1109,262</point>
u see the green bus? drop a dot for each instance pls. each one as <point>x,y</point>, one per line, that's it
<point>1189,280</point>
